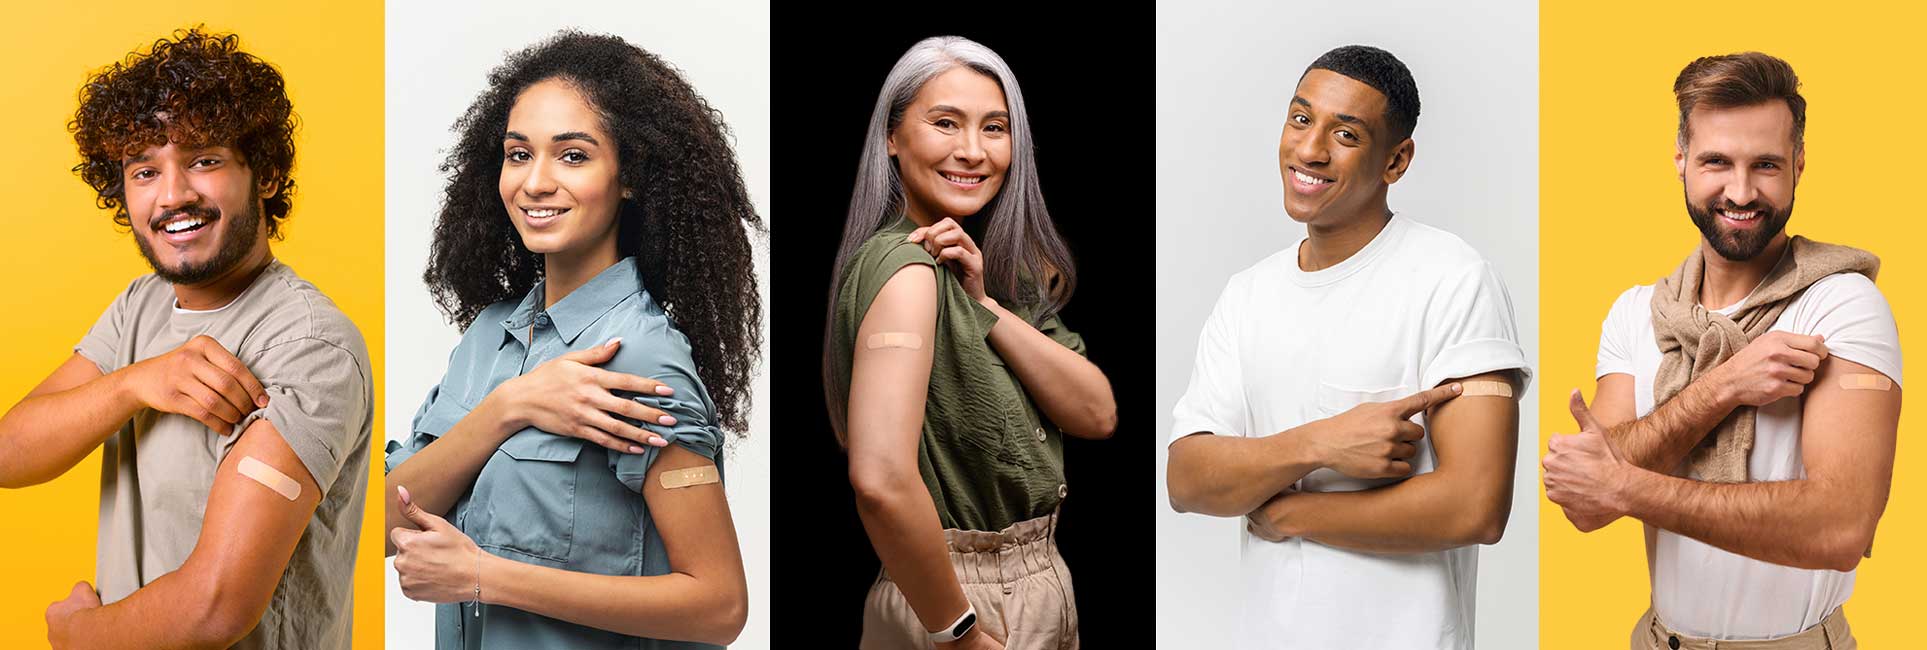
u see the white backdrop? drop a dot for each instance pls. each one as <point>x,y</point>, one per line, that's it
<point>438,57</point>
<point>1225,72</point>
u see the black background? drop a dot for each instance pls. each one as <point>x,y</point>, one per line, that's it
<point>1088,89</point>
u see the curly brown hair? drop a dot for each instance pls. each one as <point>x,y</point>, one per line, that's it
<point>193,89</point>
<point>688,224</point>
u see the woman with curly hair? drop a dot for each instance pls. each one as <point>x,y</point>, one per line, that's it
<point>561,486</point>
<point>951,380</point>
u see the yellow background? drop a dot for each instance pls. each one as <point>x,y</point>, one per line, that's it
<point>65,259</point>
<point>1612,216</point>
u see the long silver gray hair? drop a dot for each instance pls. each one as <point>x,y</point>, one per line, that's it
<point>1025,261</point>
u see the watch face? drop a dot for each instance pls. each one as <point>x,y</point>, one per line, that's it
<point>963,627</point>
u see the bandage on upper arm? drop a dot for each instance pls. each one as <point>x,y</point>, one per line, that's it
<point>1866,381</point>
<point>688,477</point>
<point>905,340</point>
<point>1492,388</point>
<point>273,478</point>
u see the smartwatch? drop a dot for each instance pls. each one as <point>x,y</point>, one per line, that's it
<point>958,629</point>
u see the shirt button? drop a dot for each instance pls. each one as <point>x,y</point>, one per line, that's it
<point>542,319</point>
<point>1672,641</point>
<point>1062,490</point>
<point>1040,434</point>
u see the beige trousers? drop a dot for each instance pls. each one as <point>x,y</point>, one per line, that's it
<point>1014,578</point>
<point>1830,634</point>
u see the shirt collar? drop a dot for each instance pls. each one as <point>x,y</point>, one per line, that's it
<point>576,311</point>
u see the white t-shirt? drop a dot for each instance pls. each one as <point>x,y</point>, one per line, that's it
<point>1284,347</point>
<point>1703,591</point>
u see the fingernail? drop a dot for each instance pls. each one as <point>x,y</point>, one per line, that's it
<point>404,494</point>
<point>260,401</point>
<point>658,441</point>
<point>1457,388</point>
<point>634,449</point>
<point>666,419</point>
<point>664,389</point>
<point>614,341</point>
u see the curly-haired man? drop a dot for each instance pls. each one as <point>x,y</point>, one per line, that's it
<point>232,401</point>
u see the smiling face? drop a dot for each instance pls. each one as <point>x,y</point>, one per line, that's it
<point>559,181</point>
<point>1337,155</point>
<point>952,146</point>
<point>195,211</point>
<point>1739,169</point>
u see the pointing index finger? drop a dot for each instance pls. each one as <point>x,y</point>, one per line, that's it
<point>1423,400</point>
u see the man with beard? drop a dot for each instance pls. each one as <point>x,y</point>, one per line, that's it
<point>1765,377</point>
<point>232,401</point>
<point>1362,527</point>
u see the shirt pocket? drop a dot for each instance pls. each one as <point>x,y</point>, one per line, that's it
<point>528,490</point>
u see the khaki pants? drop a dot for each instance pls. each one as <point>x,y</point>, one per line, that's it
<point>1830,634</point>
<point>1014,578</point>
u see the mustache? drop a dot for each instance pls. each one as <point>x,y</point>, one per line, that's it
<point>1722,203</point>
<point>205,212</point>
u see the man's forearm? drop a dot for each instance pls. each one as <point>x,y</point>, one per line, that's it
<point>1807,523</point>
<point>1429,512</point>
<point>45,435</point>
<point>1230,476</point>
<point>167,614</point>
<point>1662,439</point>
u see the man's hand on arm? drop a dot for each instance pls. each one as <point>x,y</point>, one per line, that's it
<point>219,594</point>
<point>1466,500</point>
<point>1229,476</point>
<point>76,408</point>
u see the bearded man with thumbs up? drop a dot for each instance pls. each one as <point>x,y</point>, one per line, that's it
<point>1747,403</point>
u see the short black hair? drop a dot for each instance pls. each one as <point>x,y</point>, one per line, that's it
<point>1384,73</point>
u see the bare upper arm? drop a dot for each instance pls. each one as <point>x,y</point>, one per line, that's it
<point>1477,435</point>
<point>1848,434</point>
<point>694,520</point>
<point>1613,400</point>
<point>76,370</point>
<point>890,380</point>
<point>250,530</point>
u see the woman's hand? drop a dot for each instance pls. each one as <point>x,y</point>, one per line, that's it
<point>946,241</point>
<point>437,564</point>
<point>570,396</point>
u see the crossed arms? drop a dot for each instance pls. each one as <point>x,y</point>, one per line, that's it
<point>1619,465</point>
<point>1465,501</point>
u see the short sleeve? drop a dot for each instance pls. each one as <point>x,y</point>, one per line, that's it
<point>1469,328</point>
<point>1856,320</point>
<point>1214,402</point>
<point>665,357</point>
<point>434,418</point>
<point>101,345</point>
<point>318,398</point>
<point>1616,334</point>
<point>875,268</point>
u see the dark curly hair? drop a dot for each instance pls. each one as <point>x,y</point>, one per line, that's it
<point>1384,73</point>
<point>684,224</point>
<point>193,89</point>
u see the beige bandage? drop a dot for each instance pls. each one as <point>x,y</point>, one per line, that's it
<point>903,340</point>
<point>271,477</point>
<point>1866,381</point>
<point>677,478</point>
<point>1494,388</point>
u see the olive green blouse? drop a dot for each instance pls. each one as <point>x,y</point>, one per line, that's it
<point>987,456</point>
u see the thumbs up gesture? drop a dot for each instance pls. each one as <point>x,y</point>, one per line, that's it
<point>1584,474</point>
<point>437,564</point>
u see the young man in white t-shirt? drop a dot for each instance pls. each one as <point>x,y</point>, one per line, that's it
<point>1362,526</point>
<point>1764,549</point>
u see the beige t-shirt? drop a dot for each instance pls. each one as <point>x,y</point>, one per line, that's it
<point>157,471</point>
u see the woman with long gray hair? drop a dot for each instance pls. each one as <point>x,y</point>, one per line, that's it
<point>949,376</point>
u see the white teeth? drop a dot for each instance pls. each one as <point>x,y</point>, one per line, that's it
<point>182,225</point>
<point>544,213</point>
<point>1741,216</point>
<point>966,180</point>
<point>1308,180</point>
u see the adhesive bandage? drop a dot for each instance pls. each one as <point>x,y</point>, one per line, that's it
<point>1494,388</point>
<point>271,477</point>
<point>678,478</point>
<point>1866,381</point>
<point>903,340</point>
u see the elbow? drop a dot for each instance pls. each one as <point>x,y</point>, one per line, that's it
<point>1843,549</point>
<point>879,488</point>
<point>729,618</point>
<point>1487,530</point>
<point>1485,522</point>
<point>222,615</point>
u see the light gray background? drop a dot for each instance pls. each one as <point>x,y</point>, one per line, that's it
<point>1225,72</point>
<point>438,57</point>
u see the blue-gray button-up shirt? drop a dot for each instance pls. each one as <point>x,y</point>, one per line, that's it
<point>554,500</point>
